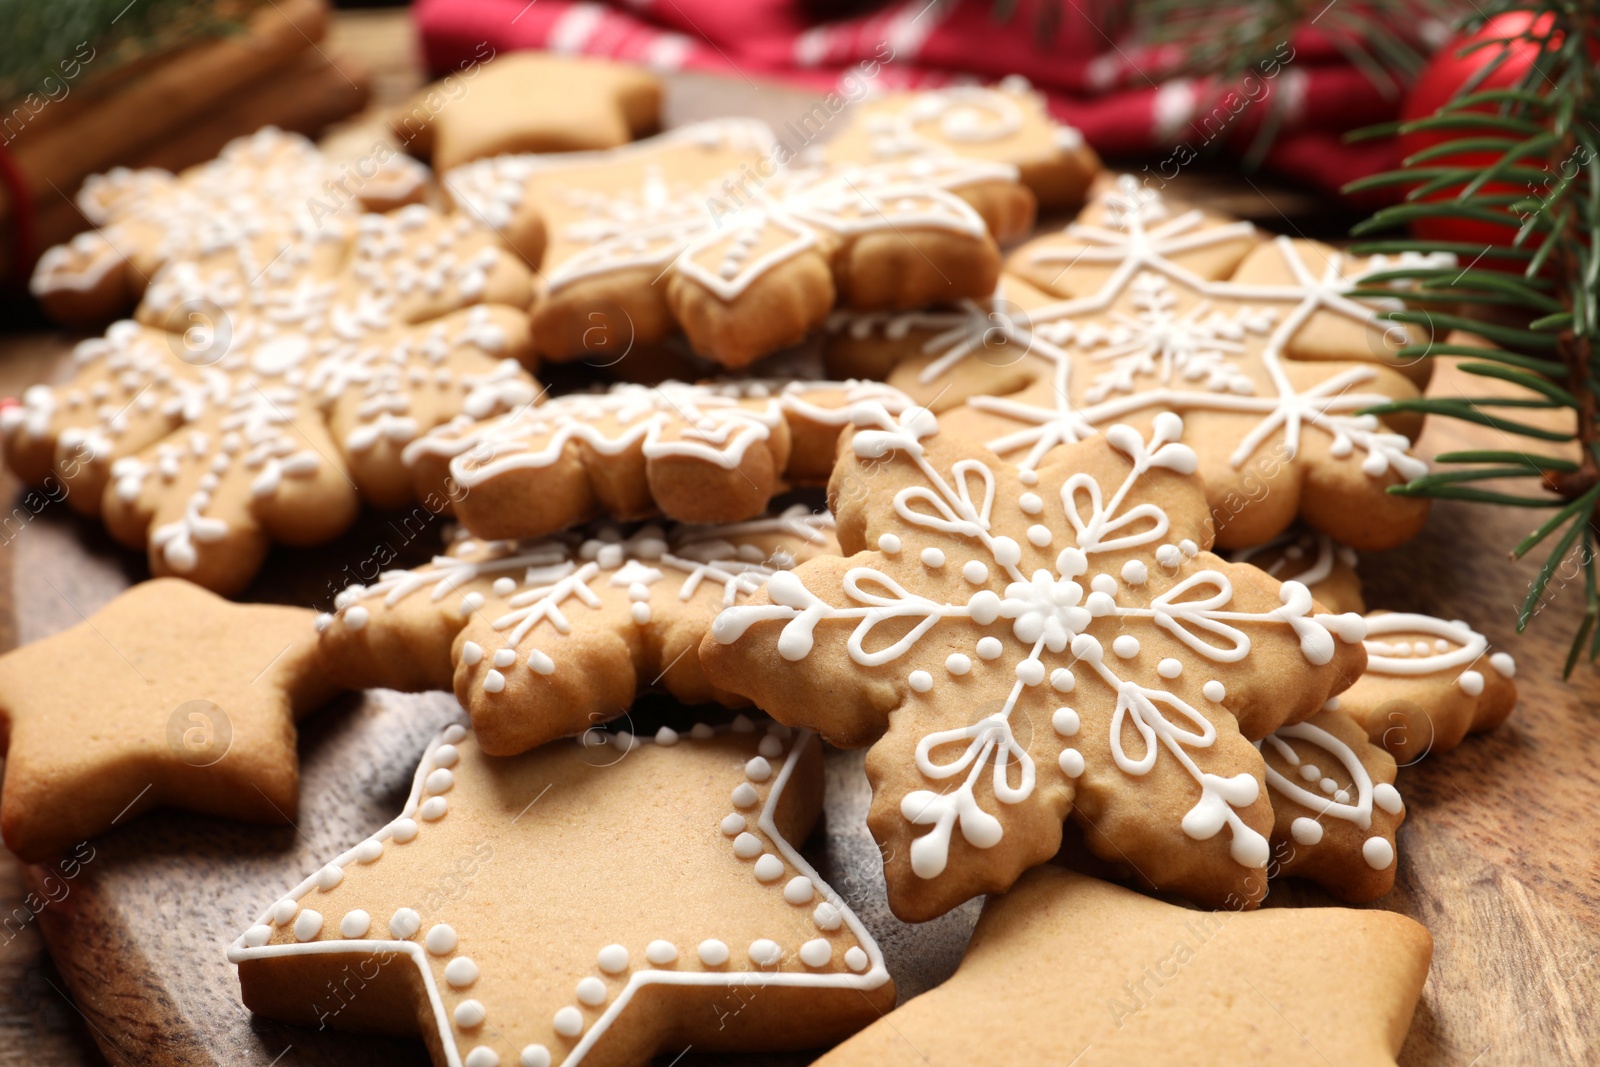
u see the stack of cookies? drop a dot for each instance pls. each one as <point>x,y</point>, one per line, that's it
<point>1061,530</point>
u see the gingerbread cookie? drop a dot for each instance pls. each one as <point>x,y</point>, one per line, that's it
<point>706,230</point>
<point>1272,375</point>
<point>604,906</point>
<point>1018,645</point>
<point>1153,985</point>
<point>266,190</point>
<point>167,697</point>
<point>1006,123</point>
<point>530,102</point>
<point>1316,561</point>
<point>261,398</point>
<point>1335,807</point>
<point>716,452</point>
<point>1429,682</point>
<point>542,639</point>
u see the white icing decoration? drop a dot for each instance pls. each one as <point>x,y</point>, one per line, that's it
<point>1047,613</point>
<point>307,924</point>
<point>1464,646</point>
<point>461,972</point>
<point>1335,802</point>
<point>1160,359</point>
<point>554,577</point>
<point>664,228</point>
<point>818,952</point>
<point>863,959</point>
<point>290,341</point>
<point>568,1022</point>
<point>440,940</point>
<point>405,924</point>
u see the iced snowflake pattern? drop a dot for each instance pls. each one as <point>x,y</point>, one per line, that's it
<point>1184,362</point>
<point>1065,620</point>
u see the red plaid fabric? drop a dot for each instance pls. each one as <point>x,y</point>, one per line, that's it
<point>1122,98</point>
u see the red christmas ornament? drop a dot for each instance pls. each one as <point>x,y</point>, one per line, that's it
<point>1443,77</point>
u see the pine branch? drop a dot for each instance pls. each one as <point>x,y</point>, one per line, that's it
<point>1543,130</point>
<point>40,36</point>
<point>1224,45</point>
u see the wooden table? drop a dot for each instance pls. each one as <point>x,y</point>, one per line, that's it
<point>1497,855</point>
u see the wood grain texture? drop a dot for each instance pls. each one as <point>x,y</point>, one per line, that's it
<point>1497,854</point>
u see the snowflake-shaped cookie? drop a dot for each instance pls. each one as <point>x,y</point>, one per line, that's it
<point>1335,806</point>
<point>266,190</point>
<point>714,452</point>
<point>1018,644</point>
<point>708,230</point>
<point>1316,561</point>
<point>1429,682</point>
<point>544,638</point>
<point>599,906</point>
<point>261,396</point>
<point>1271,367</point>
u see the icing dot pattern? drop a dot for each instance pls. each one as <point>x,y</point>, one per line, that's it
<point>612,962</point>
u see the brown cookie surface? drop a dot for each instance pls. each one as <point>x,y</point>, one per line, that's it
<point>584,903</point>
<point>1144,307</point>
<point>168,696</point>
<point>1021,645</point>
<point>546,638</point>
<point>1067,969</point>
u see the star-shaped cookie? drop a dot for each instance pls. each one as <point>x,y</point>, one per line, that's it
<point>712,452</point>
<point>544,638</point>
<point>1021,644</point>
<point>530,102</point>
<point>581,904</point>
<point>1065,969</point>
<point>168,696</point>
<point>1145,309</point>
